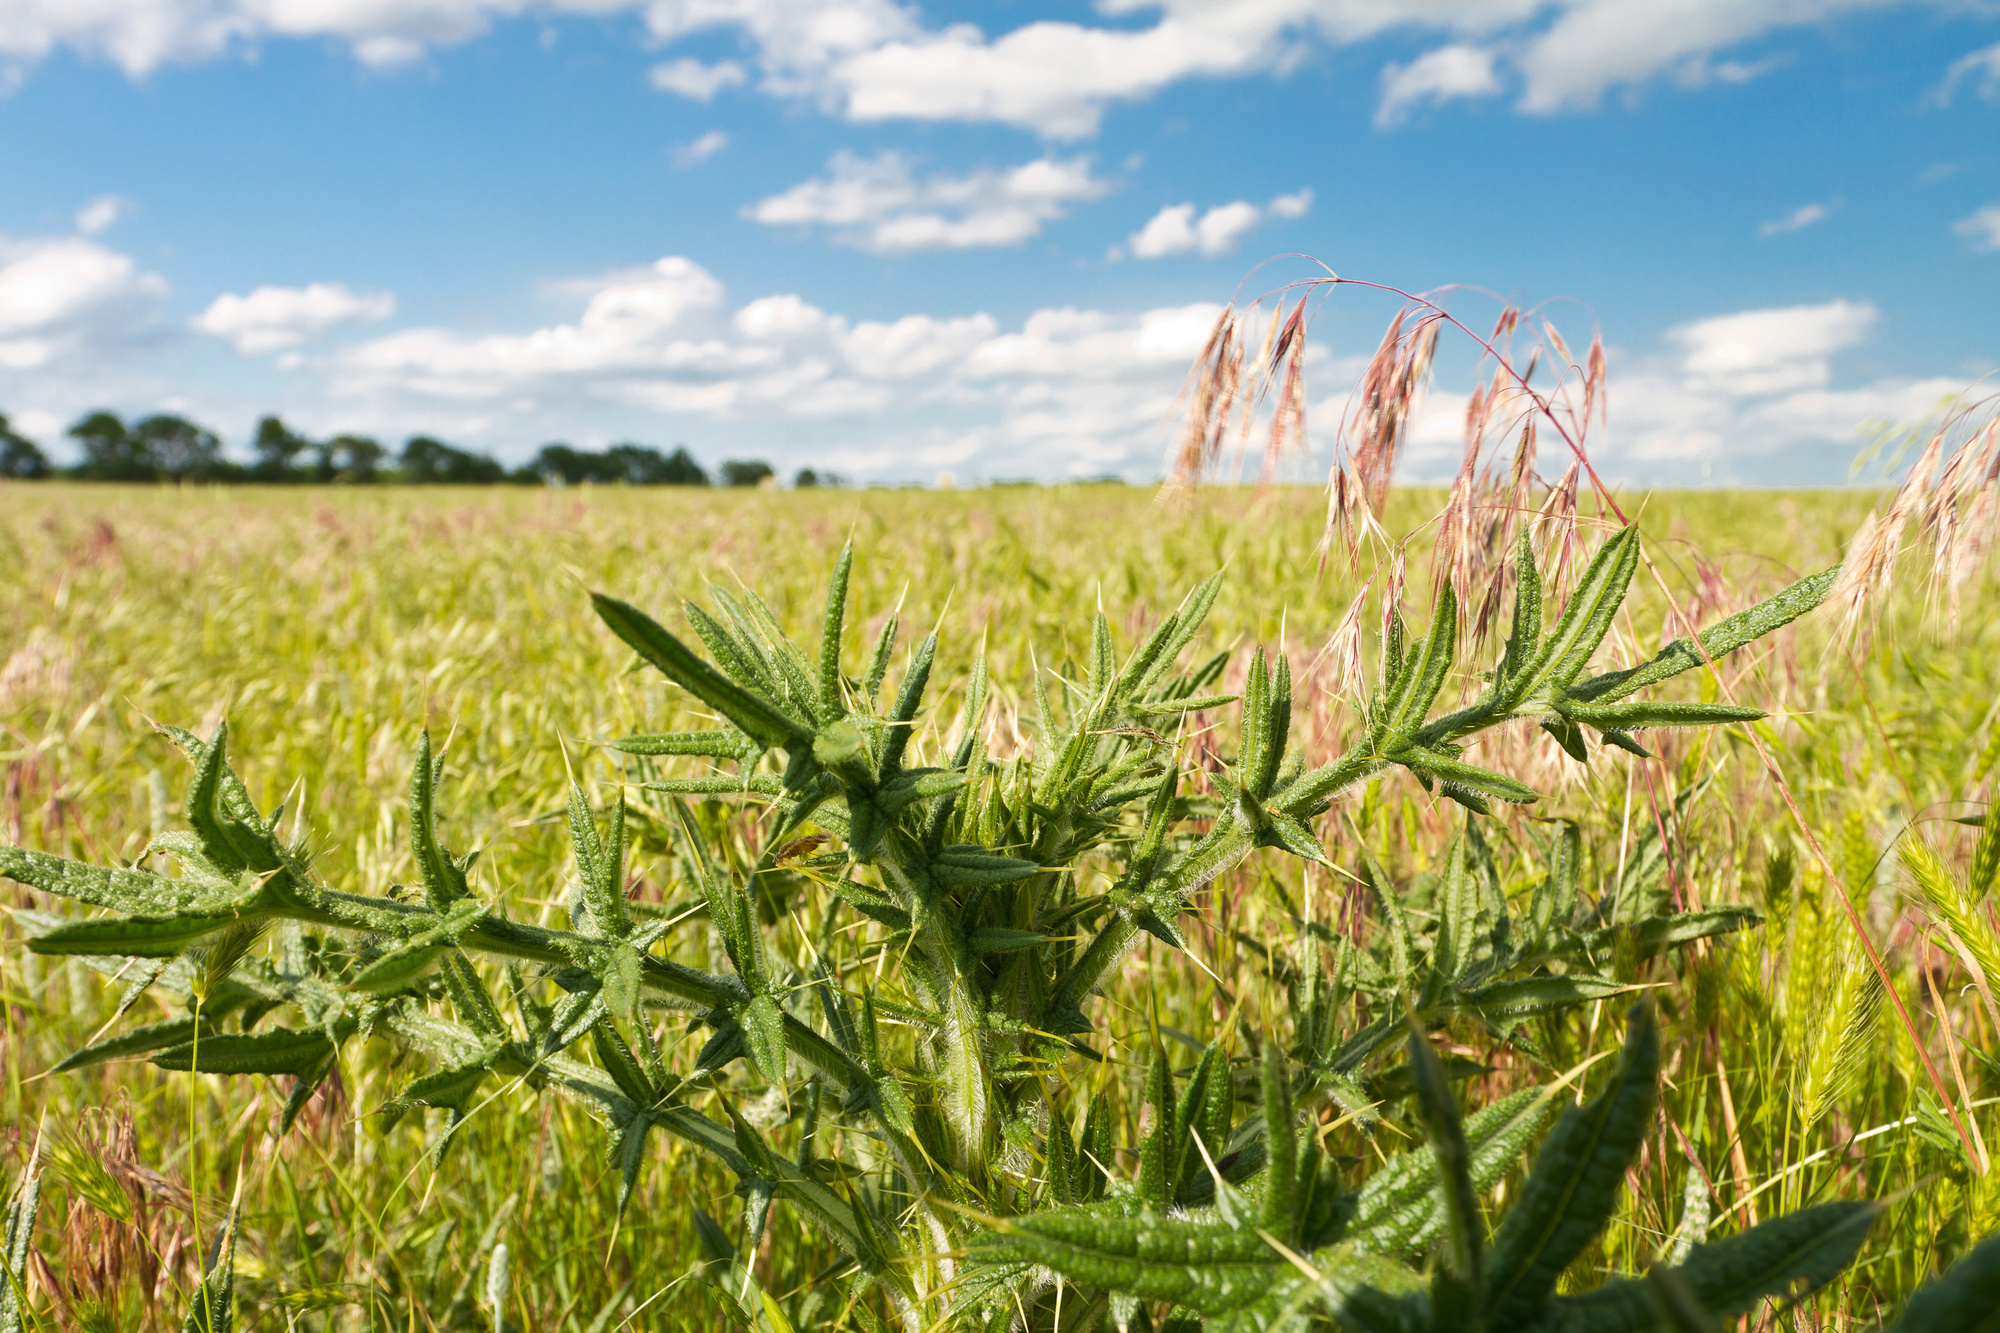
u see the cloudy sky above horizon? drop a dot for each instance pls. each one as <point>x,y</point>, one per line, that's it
<point>903,239</point>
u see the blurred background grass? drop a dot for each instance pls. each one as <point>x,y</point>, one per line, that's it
<point>329,626</point>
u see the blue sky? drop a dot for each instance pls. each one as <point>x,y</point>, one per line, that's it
<point>906,239</point>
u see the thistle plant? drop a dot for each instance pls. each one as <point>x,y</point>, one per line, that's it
<point>905,1047</point>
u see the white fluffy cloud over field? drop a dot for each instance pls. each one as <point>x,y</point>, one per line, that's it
<point>665,351</point>
<point>1067,392</point>
<point>872,60</point>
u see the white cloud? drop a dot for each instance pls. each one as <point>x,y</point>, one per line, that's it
<point>689,155</point>
<point>877,204</point>
<point>99,214</point>
<point>878,60</point>
<point>691,78</point>
<point>1796,220</point>
<point>70,296</point>
<point>275,319</point>
<point>1066,392</point>
<point>1438,76</point>
<point>1595,45</point>
<point>1771,351</point>
<point>1054,78</point>
<point>1175,230</point>
<point>1982,228</point>
<point>1294,205</point>
<point>1982,65</point>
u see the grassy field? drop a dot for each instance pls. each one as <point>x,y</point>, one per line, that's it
<point>329,627</point>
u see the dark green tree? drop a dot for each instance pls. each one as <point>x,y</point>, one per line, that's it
<point>354,458</point>
<point>20,457</point>
<point>745,472</point>
<point>682,470</point>
<point>110,451</point>
<point>426,461</point>
<point>180,449</point>
<point>278,448</point>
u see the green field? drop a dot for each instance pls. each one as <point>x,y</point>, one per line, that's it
<point>329,627</point>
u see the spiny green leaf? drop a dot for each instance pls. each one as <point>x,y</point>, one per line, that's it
<point>139,1041</point>
<point>764,1034</point>
<point>1202,1266</point>
<point>1725,636</point>
<point>832,703</point>
<point>1630,717</point>
<point>1399,1208</point>
<point>1965,1300</point>
<point>1586,620</point>
<point>278,1051</point>
<point>1437,1106</point>
<point>1524,641</point>
<point>713,744</point>
<point>131,891</point>
<point>1467,777</point>
<point>214,1307</point>
<point>1577,1178</point>
<point>1786,1256</point>
<point>758,717</point>
<point>133,936</point>
<point>444,880</point>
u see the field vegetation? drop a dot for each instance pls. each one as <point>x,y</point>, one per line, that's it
<point>1080,928</point>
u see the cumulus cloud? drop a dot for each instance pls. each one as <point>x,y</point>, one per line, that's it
<point>276,319</point>
<point>1175,230</point>
<point>1796,220</point>
<point>691,78</point>
<point>1439,76</point>
<point>1755,383</point>
<point>1771,351</point>
<point>1066,392</point>
<point>693,154</point>
<point>67,296</point>
<point>1982,228</point>
<point>875,60</point>
<point>878,204</point>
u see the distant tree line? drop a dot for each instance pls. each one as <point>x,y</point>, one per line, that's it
<point>163,447</point>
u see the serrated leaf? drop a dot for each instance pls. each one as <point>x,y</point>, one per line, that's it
<point>133,936</point>
<point>214,1306</point>
<point>1577,1178</point>
<point>1399,1209</point>
<point>764,1034</point>
<point>278,1051</point>
<point>139,1041</point>
<point>444,880</point>
<point>1175,707</point>
<point>832,702</point>
<point>1786,1256</point>
<point>1483,782</point>
<point>1725,636</point>
<point>1966,1299</point>
<point>1437,1107</point>
<point>1630,717</point>
<point>1585,621</point>
<point>1203,1266</point>
<point>1510,1001</point>
<point>993,939</point>
<point>710,744</point>
<point>756,716</point>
